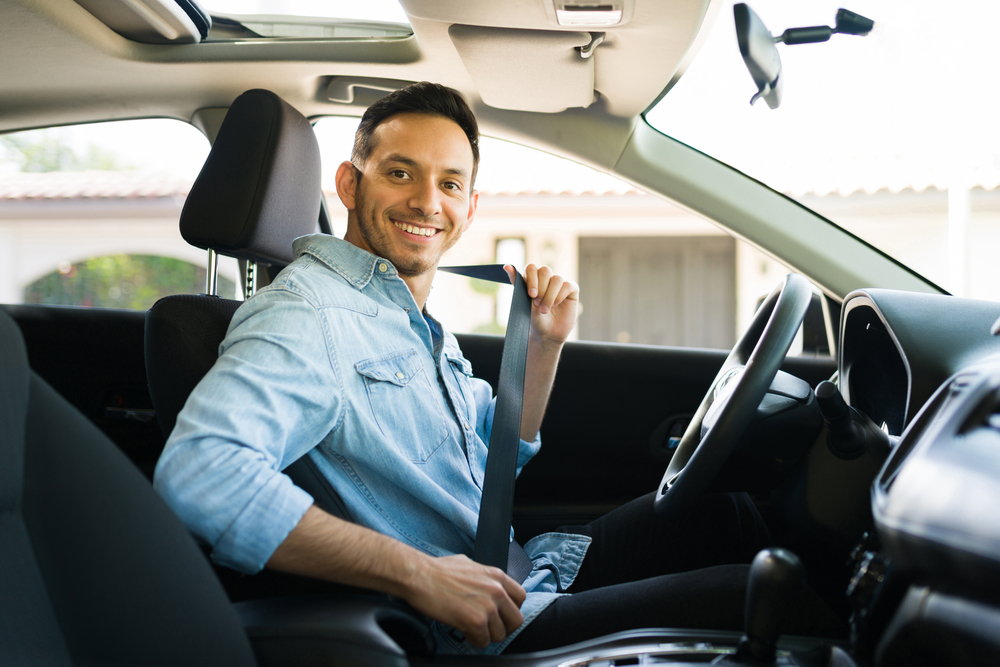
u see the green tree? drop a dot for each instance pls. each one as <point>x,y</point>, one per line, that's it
<point>47,150</point>
<point>120,281</point>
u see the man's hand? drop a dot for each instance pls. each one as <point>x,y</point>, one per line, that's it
<point>554,306</point>
<point>555,302</point>
<point>482,602</point>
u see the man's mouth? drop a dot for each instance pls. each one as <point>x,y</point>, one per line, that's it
<point>412,229</point>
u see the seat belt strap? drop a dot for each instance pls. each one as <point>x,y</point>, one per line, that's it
<point>493,544</point>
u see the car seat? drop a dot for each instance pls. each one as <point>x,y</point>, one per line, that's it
<point>94,567</point>
<point>258,191</point>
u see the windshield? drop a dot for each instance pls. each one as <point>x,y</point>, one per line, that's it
<point>893,136</point>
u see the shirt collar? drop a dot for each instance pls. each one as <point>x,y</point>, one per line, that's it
<point>355,265</point>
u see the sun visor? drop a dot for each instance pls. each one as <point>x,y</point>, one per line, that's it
<point>527,70</point>
<point>153,21</point>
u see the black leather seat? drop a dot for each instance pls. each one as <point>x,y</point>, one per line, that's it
<point>258,191</point>
<point>94,567</point>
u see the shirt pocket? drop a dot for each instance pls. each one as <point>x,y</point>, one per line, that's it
<point>405,405</point>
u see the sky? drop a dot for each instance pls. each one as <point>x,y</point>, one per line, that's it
<point>918,93</point>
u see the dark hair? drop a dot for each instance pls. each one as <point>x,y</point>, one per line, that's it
<point>432,99</point>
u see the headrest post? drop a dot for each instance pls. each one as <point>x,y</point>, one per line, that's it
<point>212,274</point>
<point>251,283</point>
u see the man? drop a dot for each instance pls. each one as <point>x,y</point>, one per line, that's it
<point>338,360</point>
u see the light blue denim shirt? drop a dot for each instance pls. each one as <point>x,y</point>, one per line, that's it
<point>335,361</point>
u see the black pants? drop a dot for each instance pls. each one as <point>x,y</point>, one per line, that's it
<point>643,572</point>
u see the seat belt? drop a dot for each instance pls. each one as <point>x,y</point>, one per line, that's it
<point>493,544</point>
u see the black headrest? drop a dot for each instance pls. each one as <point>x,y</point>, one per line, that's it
<point>260,186</point>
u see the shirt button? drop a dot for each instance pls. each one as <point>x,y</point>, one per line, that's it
<point>400,375</point>
<point>383,267</point>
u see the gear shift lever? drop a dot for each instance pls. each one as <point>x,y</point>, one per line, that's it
<point>775,575</point>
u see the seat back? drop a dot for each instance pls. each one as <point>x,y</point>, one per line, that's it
<point>258,191</point>
<point>94,567</point>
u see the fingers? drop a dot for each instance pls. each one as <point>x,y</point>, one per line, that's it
<point>482,602</point>
<point>510,607</point>
<point>547,289</point>
<point>510,273</point>
<point>507,601</point>
<point>514,591</point>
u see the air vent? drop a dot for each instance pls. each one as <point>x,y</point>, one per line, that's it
<point>986,415</point>
<point>940,405</point>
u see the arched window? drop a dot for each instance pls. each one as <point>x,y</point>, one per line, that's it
<point>120,281</point>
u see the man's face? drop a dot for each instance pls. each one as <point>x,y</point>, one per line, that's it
<point>414,199</point>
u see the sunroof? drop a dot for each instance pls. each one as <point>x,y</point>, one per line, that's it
<point>308,18</point>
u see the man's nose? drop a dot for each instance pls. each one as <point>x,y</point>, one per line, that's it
<point>425,199</point>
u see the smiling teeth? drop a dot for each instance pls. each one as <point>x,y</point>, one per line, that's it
<point>419,231</point>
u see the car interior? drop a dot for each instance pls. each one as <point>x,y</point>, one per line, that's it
<point>874,465</point>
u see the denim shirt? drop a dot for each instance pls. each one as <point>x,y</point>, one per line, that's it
<point>335,361</point>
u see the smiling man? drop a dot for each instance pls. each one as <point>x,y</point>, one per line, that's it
<point>339,360</point>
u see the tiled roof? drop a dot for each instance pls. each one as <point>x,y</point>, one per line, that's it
<point>91,185</point>
<point>843,176</point>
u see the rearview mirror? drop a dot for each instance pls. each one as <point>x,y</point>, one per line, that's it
<point>760,55</point>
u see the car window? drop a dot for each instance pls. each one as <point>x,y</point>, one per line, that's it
<point>650,272</point>
<point>89,215</point>
<point>859,136</point>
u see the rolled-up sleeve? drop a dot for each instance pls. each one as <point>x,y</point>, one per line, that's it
<point>272,396</point>
<point>486,405</point>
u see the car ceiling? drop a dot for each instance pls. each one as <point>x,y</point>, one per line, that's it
<point>518,71</point>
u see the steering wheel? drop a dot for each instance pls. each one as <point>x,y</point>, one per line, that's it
<point>728,408</point>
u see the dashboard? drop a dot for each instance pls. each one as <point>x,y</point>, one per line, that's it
<point>925,368</point>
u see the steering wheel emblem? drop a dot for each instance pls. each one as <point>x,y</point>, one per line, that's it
<point>726,384</point>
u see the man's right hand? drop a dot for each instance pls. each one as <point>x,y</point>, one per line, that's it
<point>482,602</point>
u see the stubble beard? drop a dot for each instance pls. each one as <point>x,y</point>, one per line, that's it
<point>378,239</point>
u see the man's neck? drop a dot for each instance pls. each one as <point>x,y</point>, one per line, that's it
<point>420,286</point>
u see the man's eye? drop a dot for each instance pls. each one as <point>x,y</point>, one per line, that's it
<point>451,185</point>
<point>399,173</point>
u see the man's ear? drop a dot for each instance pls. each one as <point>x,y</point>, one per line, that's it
<point>473,203</point>
<point>347,183</point>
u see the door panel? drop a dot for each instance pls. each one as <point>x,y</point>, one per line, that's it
<point>598,445</point>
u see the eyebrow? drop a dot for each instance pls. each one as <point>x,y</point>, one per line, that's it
<point>410,162</point>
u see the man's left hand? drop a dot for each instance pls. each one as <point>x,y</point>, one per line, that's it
<point>554,303</point>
